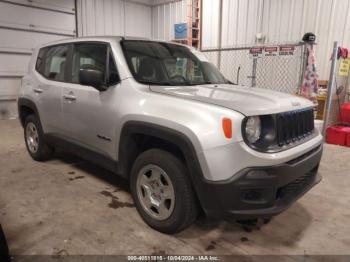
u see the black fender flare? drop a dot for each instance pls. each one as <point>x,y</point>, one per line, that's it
<point>25,102</point>
<point>172,136</point>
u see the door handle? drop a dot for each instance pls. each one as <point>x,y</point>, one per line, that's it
<point>38,90</point>
<point>70,97</point>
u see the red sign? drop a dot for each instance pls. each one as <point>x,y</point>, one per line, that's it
<point>255,50</point>
<point>287,50</point>
<point>271,51</point>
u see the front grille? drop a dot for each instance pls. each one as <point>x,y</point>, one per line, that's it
<point>294,126</point>
<point>297,186</point>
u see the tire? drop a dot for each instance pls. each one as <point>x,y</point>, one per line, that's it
<point>180,209</point>
<point>37,148</point>
<point>4,250</point>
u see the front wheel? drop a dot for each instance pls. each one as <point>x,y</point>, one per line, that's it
<point>162,191</point>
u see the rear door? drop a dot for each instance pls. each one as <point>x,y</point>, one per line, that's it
<point>52,68</point>
<point>89,114</point>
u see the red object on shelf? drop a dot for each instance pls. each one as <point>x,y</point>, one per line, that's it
<point>345,113</point>
<point>338,135</point>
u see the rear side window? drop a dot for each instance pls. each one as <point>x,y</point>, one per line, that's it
<point>51,62</point>
<point>55,63</point>
<point>89,55</point>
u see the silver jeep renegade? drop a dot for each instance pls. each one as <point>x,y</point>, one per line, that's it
<point>162,116</point>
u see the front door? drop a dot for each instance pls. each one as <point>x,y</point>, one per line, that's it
<point>89,114</point>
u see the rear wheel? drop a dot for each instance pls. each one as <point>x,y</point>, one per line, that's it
<point>38,149</point>
<point>162,191</point>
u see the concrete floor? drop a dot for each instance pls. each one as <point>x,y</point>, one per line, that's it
<point>68,206</point>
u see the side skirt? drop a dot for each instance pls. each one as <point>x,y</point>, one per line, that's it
<point>85,153</point>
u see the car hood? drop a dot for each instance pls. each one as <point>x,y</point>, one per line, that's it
<point>247,100</point>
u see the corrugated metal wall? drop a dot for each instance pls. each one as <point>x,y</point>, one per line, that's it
<point>281,22</point>
<point>24,25</point>
<point>164,15</point>
<point>241,20</point>
<point>115,17</point>
<point>142,18</point>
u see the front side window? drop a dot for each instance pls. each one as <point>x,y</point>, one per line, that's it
<point>88,56</point>
<point>168,64</point>
<point>54,67</point>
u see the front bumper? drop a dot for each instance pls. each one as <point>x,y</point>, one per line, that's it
<point>261,191</point>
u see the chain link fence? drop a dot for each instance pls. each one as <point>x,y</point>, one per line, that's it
<point>275,67</point>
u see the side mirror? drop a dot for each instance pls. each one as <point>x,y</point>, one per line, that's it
<point>92,77</point>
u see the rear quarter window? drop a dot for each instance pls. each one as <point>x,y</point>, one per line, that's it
<point>39,66</point>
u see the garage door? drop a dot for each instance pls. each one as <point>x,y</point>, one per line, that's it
<point>34,22</point>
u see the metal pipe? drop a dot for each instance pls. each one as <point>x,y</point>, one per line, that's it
<point>6,99</point>
<point>76,17</point>
<point>16,51</point>
<point>242,47</point>
<point>4,75</point>
<point>330,88</point>
<point>255,64</point>
<point>201,24</point>
<point>303,65</point>
<point>220,32</point>
<point>166,2</point>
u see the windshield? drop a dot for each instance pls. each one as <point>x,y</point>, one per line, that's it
<point>169,64</point>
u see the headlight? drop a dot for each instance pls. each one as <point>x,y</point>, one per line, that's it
<point>253,129</point>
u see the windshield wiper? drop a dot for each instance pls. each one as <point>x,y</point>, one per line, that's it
<point>202,83</point>
<point>155,83</point>
<point>187,83</point>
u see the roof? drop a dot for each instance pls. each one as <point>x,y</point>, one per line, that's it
<point>84,38</point>
<point>101,38</point>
